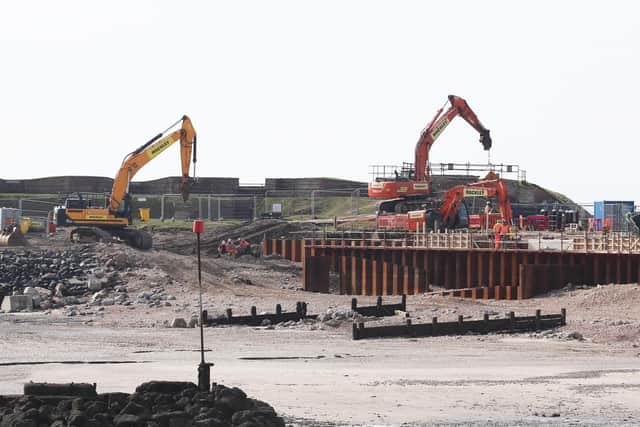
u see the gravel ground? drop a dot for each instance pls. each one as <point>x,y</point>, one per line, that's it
<point>587,372</point>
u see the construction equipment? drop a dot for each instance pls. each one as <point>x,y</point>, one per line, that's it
<point>10,227</point>
<point>450,212</point>
<point>103,217</point>
<point>238,247</point>
<point>409,189</point>
<point>12,236</point>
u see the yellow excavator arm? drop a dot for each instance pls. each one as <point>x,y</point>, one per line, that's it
<point>134,161</point>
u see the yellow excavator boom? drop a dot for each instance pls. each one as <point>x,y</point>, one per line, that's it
<point>143,155</point>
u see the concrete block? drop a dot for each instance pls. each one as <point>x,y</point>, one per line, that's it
<point>17,303</point>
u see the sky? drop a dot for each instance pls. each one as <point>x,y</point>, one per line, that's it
<point>323,88</point>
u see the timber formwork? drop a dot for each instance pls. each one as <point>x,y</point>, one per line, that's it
<point>371,268</point>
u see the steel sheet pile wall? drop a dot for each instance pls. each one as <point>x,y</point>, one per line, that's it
<point>369,268</point>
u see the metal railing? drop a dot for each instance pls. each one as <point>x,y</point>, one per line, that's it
<point>468,169</point>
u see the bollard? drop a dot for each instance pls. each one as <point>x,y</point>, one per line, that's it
<point>204,376</point>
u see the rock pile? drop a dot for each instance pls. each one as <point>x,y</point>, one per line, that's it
<point>58,278</point>
<point>154,404</point>
<point>334,317</point>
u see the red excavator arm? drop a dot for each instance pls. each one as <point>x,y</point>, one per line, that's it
<point>440,121</point>
<point>416,184</point>
<point>492,185</point>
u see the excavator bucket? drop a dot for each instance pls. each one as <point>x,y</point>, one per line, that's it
<point>12,237</point>
<point>485,139</point>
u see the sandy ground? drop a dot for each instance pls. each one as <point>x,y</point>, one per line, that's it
<point>315,374</point>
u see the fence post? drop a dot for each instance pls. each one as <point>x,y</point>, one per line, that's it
<point>162,208</point>
<point>255,207</point>
<point>355,202</point>
<point>219,210</point>
<point>537,320</point>
<point>209,207</point>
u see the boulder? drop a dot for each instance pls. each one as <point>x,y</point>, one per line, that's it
<point>179,322</point>
<point>15,303</point>
<point>34,294</point>
<point>93,283</point>
<point>166,387</point>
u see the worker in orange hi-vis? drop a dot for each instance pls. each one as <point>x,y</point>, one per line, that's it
<point>499,230</point>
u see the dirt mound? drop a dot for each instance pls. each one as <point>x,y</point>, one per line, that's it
<point>183,242</point>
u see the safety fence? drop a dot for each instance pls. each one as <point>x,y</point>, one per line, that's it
<point>270,204</point>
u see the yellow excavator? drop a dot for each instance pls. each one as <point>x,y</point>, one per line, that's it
<point>105,217</point>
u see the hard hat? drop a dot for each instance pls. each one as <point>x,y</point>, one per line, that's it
<point>488,202</point>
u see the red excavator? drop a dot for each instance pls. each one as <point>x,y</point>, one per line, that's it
<point>439,215</point>
<point>411,187</point>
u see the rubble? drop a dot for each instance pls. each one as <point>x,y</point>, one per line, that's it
<point>54,278</point>
<point>155,403</point>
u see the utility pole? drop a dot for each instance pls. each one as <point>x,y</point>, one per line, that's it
<point>204,369</point>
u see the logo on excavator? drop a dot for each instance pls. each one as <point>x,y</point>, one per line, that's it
<point>439,128</point>
<point>159,147</point>
<point>94,216</point>
<point>475,192</point>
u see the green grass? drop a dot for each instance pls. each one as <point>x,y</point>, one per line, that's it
<point>182,224</point>
<point>323,207</point>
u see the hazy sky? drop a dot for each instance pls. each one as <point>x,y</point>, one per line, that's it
<point>326,88</point>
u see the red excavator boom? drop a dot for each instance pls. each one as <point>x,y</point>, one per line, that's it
<point>416,182</point>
